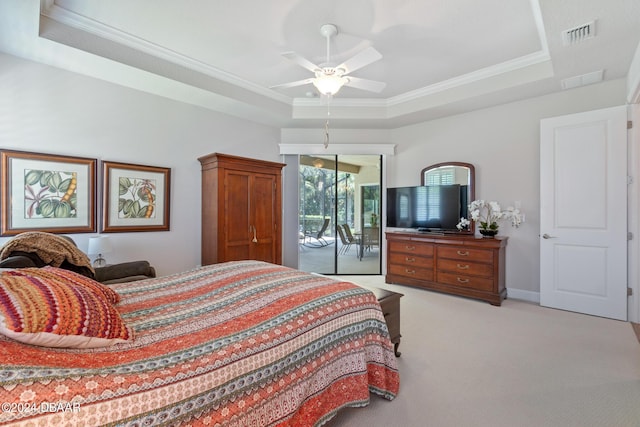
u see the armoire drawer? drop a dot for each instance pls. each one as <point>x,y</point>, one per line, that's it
<point>465,267</point>
<point>461,253</point>
<point>473,282</point>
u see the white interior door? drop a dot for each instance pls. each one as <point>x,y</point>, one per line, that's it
<point>583,212</point>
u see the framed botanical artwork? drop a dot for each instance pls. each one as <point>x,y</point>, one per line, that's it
<point>47,192</point>
<point>135,197</point>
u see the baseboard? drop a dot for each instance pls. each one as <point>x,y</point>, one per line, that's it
<point>523,295</point>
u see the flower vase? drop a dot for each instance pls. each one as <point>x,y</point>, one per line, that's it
<point>488,233</point>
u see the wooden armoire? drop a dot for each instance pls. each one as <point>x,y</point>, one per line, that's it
<point>241,209</point>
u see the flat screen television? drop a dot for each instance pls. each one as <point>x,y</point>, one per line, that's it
<point>431,208</point>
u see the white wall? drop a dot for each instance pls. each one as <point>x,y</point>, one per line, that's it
<point>503,144</point>
<point>47,110</point>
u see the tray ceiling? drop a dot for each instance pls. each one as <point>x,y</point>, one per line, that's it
<point>439,58</point>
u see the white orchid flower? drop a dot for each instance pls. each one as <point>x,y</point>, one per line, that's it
<point>490,213</point>
<point>464,223</point>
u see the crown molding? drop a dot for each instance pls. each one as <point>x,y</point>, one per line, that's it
<point>518,71</point>
<point>473,77</point>
<point>82,23</point>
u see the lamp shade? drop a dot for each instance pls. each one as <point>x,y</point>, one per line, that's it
<point>329,84</point>
<point>99,245</point>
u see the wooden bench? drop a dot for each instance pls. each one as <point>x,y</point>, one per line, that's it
<point>390,303</point>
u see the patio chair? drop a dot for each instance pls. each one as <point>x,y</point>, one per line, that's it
<point>315,239</point>
<point>346,244</point>
<point>370,238</point>
<point>348,233</point>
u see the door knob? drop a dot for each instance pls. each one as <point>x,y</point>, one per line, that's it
<point>546,236</point>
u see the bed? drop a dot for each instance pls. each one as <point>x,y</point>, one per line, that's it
<point>242,343</point>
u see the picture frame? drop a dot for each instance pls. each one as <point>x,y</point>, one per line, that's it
<point>135,197</point>
<point>46,192</point>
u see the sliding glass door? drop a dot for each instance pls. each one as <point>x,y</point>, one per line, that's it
<point>339,212</point>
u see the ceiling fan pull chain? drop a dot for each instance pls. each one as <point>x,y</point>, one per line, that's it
<point>326,125</point>
<point>326,135</point>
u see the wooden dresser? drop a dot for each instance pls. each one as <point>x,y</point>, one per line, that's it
<point>241,209</point>
<point>456,264</point>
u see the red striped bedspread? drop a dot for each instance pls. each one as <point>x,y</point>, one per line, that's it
<point>243,343</point>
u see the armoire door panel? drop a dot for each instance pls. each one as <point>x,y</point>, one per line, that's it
<point>263,199</point>
<point>237,208</point>
<point>237,252</point>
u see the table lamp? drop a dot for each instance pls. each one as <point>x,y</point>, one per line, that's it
<point>99,245</point>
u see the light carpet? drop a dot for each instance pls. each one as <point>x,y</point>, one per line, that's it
<point>467,363</point>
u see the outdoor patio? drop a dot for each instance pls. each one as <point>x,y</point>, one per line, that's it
<point>322,259</point>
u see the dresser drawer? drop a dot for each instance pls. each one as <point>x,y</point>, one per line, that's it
<point>480,283</point>
<point>411,271</point>
<point>465,267</point>
<point>410,248</point>
<point>410,260</point>
<point>462,253</point>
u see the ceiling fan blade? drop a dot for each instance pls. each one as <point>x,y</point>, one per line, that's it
<point>365,84</point>
<point>292,84</point>
<point>303,62</point>
<point>360,60</point>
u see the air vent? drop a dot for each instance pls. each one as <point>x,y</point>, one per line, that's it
<point>579,33</point>
<point>583,80</point>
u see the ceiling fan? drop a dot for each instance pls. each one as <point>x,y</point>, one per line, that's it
<point>329,79</point>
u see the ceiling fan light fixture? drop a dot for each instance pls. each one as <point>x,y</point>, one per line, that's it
<point>330,79</point>
<point>329,84</point>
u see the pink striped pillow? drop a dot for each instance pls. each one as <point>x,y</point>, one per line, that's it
<point>53,307</point>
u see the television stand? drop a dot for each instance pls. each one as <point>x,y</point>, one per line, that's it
<point>456,264</point>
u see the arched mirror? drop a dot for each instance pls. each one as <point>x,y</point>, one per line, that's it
<point>453,174</point>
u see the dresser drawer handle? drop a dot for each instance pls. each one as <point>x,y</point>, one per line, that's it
<point>463,280</point>
<point>406,270</point>
<point>462,266</point>
<point>463,253</point>
<point>410,259</point>
<point>410,248</point>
